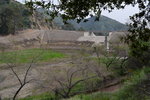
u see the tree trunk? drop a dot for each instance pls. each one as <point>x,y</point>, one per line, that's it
<point>14,98</point>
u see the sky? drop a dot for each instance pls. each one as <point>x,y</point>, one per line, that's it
<point>121,15</point>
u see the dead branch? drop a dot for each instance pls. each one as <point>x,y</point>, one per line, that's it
<point>24,81</point>
<point>67,86</point>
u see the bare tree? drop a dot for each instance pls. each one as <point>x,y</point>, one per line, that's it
<point>22,81</point>
<point>67,85</point>
<point>11,63</point>
<point>111,58</point>
<point>105,57</point>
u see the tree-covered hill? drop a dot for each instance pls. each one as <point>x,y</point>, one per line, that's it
<point>13,17</point>
<point>104,24</point>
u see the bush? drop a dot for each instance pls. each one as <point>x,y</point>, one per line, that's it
<point>132,89</point>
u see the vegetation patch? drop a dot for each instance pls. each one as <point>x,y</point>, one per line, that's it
<point>29,55</point>
<point>44,96</point>
<point>130,91</point>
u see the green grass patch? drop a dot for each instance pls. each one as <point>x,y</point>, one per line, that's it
<point>44,96</point>
<point>27,55</point>
<point>93,96</point>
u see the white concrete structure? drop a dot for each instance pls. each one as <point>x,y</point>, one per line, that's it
<point>89,34</point>
<point>97,39</point>
<point>102,39</point>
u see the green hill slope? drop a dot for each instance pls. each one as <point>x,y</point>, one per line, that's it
<point>104,24</point>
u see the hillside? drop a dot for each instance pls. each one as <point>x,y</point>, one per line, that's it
<point>104,24</point>
<point>15,16</point>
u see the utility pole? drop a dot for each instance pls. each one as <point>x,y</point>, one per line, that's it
<point>106,42</point>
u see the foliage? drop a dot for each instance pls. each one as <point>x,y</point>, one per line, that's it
<point>130,91</point>
<point>113,59</point>
<point>139,43</point>
<point>82,8</point>
<point>13,16</point>
<point>44,96</point>
<point>74,80</point>
<point>24,56</point>
<point>68,26</point>
<point>139,40</point>
<point>4,2</point>
<point>94,96</point>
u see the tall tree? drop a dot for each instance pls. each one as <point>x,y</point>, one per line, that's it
<point>5,14</point>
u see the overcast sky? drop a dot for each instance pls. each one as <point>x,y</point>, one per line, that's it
<point>121,15</point>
